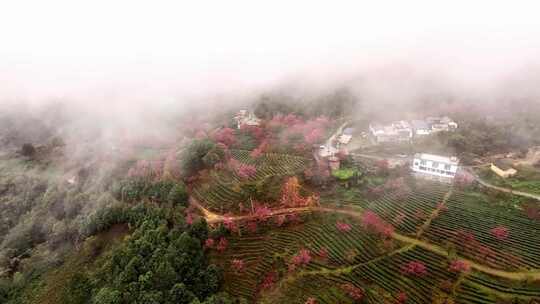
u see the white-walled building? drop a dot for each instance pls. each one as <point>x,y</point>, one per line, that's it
<point>247,118</point>
<point>441,124</point>
<point>344,139</point>
<point>420,127</point>
<point>398,131</point>
<point>435,165</point>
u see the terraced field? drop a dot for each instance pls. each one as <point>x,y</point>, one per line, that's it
<point>263,253</point>
<point>467,225</point>
<point>406,212</point>
<point>358,259</point>
<point>222,192</point>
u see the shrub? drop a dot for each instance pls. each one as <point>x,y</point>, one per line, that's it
<point>178,194</point>
<point>28,150</point>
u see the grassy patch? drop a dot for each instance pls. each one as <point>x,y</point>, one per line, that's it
<point>344,174</point>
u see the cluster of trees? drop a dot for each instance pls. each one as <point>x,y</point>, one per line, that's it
<point>163,261</point>
<point>162,191</point>
<point>335,104</point>
<point>479,137</point>
<point>291,195</point>
<point>201,154</point>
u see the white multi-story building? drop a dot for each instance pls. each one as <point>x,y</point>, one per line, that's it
<point>435,165</point>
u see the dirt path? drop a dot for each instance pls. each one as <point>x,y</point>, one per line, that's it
<point>434,214</point>
<point>502,189</point>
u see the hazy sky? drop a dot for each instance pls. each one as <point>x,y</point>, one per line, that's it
<point>157,49</point>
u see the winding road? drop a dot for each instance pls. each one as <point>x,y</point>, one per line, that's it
<point>502,189</point>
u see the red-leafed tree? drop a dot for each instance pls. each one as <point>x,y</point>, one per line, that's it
<point>209,243</point>
<point>459,266</point>
<point>532,211</point>
<point>501,233</point>
<point>356,293</point>
<point>246,171</point>
<point>189,219</point>
<point>261,148</point>
<point>290,194</point>
<point>323,253</point>
<point>225,136</point>
<point>383,166</point>
<point>373,223</point>
<point>171,166</point>
<point>238,265</point>
<point>269,280</point>
<point>463,180</point>
<point>414,268</point>
<point>343,227</point>
<point>222,244</point>
<point>251,227</point>
<point>401,297</point>
<point>310,300</point>
<point>314,136</point>
<point>229,224</point>
<point>280,220</point>
<point>302,258</point>
<point>262,213</point>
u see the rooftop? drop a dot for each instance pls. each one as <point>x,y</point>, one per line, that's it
<point>419,124</point>
<point>437,158</point>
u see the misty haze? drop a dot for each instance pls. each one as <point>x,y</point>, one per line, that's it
<point>244,152</point>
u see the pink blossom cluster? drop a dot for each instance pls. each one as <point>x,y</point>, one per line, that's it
<point>463,179</point>
<point>269,280</point>
<point>209,243</point>
<point>501,233</point>
<point>356,293</point>
<point>238,265</point>
<point>343,227</point>
<point>311,300</point>
<point>255,131</point>
<point>225,136</point>
<point>401,297</point>
<point>243,171</point>
<point>222,244</point>
<point>372,222</point>
<point>291,126</point>
<point>246,171</point>
<point>147,169</point>
<point>459,266</point>
<point>302,258</point>
<point>261,148</point>
<point>414,268</point>
<point>262,212</point>
<point>229,224</point>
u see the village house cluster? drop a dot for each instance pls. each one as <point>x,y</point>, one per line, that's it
<point>405,131</point>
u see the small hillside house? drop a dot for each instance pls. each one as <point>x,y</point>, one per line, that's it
<point>435,165</point>
<point>503,170</point>
<point>395,132</point>
<point>441,124</point>
<point>246,118</point>
<point>344,139</point>
<point>327,151</point>
<point>420,127</point>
